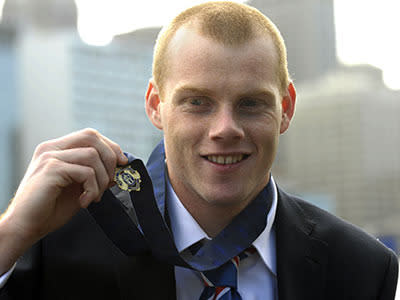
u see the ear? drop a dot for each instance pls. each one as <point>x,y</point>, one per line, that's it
<point>153,104</point>
<point>288,107</point>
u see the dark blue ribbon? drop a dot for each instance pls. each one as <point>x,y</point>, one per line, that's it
<point>154,234</point>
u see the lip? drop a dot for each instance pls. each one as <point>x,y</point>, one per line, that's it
<point>226,166</point>
<point>225,153</point>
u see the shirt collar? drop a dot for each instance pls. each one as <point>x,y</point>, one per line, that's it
<point>265,242</point>
<point>187,231</point>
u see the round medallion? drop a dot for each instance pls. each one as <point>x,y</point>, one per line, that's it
<point>127,179</point>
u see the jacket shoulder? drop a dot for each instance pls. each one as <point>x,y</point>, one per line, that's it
<point>330,228</point>
<point>353,255</point>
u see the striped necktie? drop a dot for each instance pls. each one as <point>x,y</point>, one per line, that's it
<point>221,283</point>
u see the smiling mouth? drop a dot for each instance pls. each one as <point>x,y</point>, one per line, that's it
<point>226,159</point>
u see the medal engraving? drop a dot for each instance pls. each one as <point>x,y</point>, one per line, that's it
<point>127,179</point>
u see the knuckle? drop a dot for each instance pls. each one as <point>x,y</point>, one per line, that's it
<point>51,164</point>
<point>90,132</point>
<point>88,136</point>
<point>110,161</point>
<point>92,153</point>
<point>104,182</point>
<point>42,147</point>
<point>113,144</point>
<point>113,158</point>
<point>46,156</point>
<point>90,172</point>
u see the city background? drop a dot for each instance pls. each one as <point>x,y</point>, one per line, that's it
<point>340,153</point>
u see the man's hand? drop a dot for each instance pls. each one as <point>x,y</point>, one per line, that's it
<point>65,175</point>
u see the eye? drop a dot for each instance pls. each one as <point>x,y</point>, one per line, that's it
<point>249,103</point>
<point>196,104</point>
<point>254,105</point>
<point>196,101</point>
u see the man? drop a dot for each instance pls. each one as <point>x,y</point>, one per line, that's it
<point>221,94</point>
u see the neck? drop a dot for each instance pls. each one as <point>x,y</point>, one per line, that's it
<point>212,217</point>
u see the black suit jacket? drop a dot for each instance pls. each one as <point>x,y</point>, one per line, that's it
<point>319,256</point>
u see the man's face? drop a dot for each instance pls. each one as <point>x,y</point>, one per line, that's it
<point>221,115</point>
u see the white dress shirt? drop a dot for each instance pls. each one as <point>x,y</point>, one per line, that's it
<point>257,274</point>
<point>5,276</point>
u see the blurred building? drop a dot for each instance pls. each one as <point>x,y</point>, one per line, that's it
<point>45,14</point>
<point>8,119</point>
<point>341,151</point>
<point>108,89</point>
<point>78,86</point>
<point>32,73</point>
<point>309,31</point>
<point>44,85</point>
<point>52,83</point>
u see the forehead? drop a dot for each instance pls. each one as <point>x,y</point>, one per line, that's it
<point>194,59</point>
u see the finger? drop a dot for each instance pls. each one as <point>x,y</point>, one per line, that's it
<point>109,152</point>
<point>87,156</point>
<point>122,159</point>
<point>83,175</point>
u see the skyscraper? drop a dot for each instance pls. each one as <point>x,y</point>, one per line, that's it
<point>8,118</point>
<point>309,31</point>
<point>342,148</point>
<point>108,89</point>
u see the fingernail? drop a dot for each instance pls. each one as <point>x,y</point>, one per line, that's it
<point>84,200</point>
<point>83,195</point>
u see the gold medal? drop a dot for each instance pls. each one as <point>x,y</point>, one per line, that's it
<point>127,179</point>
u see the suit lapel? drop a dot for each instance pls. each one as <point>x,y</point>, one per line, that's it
<point>301,259</point>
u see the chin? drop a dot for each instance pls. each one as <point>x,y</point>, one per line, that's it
<point>224,200</point>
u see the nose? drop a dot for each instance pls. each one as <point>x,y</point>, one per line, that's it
<point>225,126</point>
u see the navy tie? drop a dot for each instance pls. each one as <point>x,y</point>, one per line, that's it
<point>221,283</point>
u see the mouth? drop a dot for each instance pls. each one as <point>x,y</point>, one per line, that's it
<point>226,159</point>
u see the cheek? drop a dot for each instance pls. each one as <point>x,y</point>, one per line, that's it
<point>181,136</point>
<point>183,127</point>
<point>264,127</point>
<point>265,136</point>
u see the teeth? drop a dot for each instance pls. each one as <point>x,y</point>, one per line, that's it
<point>225,160</point>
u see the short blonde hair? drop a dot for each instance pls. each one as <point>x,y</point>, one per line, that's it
<point>226,22</point>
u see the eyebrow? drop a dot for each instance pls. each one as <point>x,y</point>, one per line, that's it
<point>192,89</point>
<point>262,92</point>
<point>205,91</point>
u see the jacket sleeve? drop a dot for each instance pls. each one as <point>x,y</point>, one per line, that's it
<point>388,289</point>
<point>24,282</point>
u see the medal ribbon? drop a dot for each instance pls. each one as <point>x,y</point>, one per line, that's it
<point>151,231</point>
